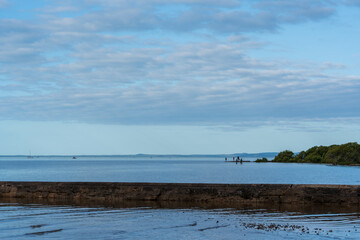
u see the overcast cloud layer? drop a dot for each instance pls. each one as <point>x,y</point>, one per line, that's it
<point>166,62</point>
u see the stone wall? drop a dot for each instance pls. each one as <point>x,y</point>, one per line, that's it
<point>226,194</point>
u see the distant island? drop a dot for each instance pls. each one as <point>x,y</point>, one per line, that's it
<point>345,154</point>
<point>269,155</point>
<point>230,155</point>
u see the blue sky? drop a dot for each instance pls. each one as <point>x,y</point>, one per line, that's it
<point>181,76</point>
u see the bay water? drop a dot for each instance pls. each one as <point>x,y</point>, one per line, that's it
<point>20,220</point>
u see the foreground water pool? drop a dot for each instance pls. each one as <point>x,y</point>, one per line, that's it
<point>37,221</point>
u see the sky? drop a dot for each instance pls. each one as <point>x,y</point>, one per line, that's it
<point>178,76</point>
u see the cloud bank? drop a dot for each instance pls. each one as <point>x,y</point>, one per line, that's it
<point>165,62</point>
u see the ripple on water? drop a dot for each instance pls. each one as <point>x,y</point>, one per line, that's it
<point>62,222</point>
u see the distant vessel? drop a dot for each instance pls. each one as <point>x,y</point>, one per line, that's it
<point>30,155</point>
<point>74,158</point>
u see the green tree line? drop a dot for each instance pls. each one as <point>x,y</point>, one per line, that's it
<point>345,154</point>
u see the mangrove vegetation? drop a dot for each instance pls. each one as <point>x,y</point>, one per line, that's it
<point>345,154</point>
<point>264,159</point>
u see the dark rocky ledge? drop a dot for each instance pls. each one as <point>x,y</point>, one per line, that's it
<point>217,194</point>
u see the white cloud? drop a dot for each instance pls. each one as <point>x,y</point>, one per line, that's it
<point>195,83</point>
<point>229,16</point>
<point>123,64</point>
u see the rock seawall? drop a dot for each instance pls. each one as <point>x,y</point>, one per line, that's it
<point>184,192</point>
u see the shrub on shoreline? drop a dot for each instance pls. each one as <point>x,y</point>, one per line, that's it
<point>284,156</point>
<point>262,160</point>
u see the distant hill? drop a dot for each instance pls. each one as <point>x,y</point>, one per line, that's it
<point>230,155</point>
<point>269,155</point>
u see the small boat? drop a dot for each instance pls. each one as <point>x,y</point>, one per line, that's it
<point>73,157</point>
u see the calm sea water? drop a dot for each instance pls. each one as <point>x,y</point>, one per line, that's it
<point>42,221</point>
<point>175,170</point>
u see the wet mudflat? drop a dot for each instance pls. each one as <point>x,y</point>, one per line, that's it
<point>38,221</point>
